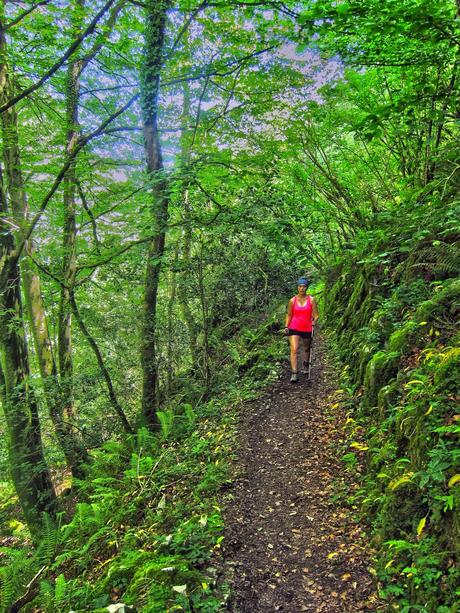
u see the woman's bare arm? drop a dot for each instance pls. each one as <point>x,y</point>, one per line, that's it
<point>289,312</point>
<point>315,312</point>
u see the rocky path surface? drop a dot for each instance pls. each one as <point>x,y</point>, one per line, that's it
<point>289,546</point>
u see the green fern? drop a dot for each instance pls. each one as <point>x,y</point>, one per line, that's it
<point>6,587</point>
<point>19,567</point>
<point>60,589</point>
<point>49,541</point>
<point>47,596</point>
<point>166,419</point>
<point>189,413</point>
<point>144,439</point>
<point>440,258</point>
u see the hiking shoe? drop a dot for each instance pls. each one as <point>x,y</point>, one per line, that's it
<point>294,377</point>
<point>304,369</point>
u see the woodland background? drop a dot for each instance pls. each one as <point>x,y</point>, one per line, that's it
<point>167,170</point>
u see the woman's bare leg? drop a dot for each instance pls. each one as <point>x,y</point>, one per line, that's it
<point>307,347</point>
<point>294,343</point>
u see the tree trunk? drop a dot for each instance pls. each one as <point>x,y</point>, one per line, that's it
<point>69,229</point>
<point>70,442</point>
<point>206,365</point>
<point>192,326</point>
<point>170,347</point>
<point>156,13</point>
<point>29,470</point>
<point>186,142</point>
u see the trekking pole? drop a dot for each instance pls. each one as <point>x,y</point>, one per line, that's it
<point>311,352</point>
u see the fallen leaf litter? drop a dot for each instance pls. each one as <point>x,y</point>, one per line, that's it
<point>294,468</point>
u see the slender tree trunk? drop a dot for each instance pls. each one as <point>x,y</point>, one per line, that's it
<point>69,229</point>
<point>205,317</point>
<point>70,442</point>
<point>156,14</point>
<point>190,322</point>
<point>170,326</point>
<point>186,143</point>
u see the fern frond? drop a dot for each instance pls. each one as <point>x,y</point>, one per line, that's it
<point>189,413</point>
<point>166,419</point>
<point>6,587</point>
<point>440,258</point>
<point>49,541</point>
<point>60,589</point>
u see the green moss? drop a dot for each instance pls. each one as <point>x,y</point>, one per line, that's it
<point>399,337</point>
<point>152,584</point>
<point>447,376</point>
<point>402,339</point>
<point>380,370</point>
<point>446,302</point>
<point>361,364</point>
<point>386,397</point>
<point>417,435</point>
<point>365,311</point>
<point>381,321</point>
<point>400,510</point>
<point>349,317</point>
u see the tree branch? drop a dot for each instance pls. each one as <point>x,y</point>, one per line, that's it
<point>105,373</point>
<point>116,205</point>
<point>81,142</point>
<point>20,17</point>
<point>99,43</point>
<point>210,73</point>
<point>110,257</point>
<point>73,47</point>
<point>185,27</point>
<point>90,215</point>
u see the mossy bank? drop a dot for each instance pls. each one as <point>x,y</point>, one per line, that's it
<point>395,312</point>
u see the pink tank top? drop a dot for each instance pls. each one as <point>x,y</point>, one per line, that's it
<point>301,316</point>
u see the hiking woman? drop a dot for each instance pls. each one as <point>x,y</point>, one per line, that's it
<point>302,315</point>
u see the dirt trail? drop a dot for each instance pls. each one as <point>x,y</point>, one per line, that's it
<point>288,546</point>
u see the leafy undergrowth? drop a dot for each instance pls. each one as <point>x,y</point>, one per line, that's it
<point>148,522</point>
<point>396,313</point>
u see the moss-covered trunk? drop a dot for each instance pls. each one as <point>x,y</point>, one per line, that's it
<point>29,470</point>
<point>156,14</point>
<point>69,230</point>
<point>70,442</point>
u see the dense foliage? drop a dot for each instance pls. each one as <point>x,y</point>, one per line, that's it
<point>167,170</point>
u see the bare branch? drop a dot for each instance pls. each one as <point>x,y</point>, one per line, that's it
<point>110,257</point>
<point>117,204</point>
<point>215,73</point>
<point>107,30</point>
<point>185,27</point>
<point>47,271</point>
<point>90,215</point>
<point>100,360</point>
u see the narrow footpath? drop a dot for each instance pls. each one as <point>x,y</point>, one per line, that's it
<point>289,545</point>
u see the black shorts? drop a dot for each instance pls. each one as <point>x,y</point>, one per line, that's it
<point>298,333</point>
